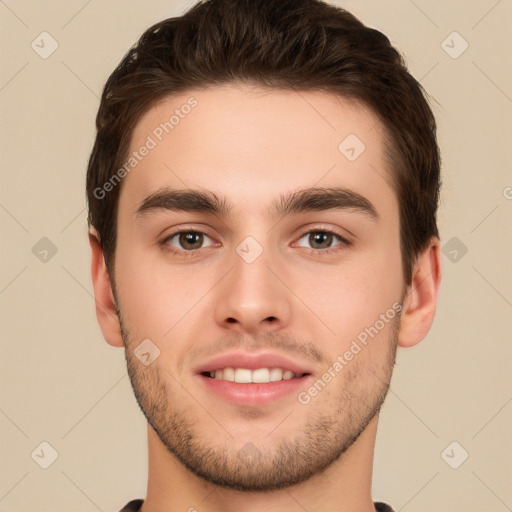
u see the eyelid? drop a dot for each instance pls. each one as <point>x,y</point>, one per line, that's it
<point>186,229</point>
<point>324,229</point>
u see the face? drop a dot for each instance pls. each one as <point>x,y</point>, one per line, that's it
<point>253,246</point>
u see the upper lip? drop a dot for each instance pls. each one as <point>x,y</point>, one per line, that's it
<point>252,362</point>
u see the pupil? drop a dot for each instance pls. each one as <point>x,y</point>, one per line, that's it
<point>320,238</point>
<point>191,240</point>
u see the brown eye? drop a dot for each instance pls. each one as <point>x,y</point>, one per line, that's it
<point>191,240</point>
<point>188,240</point>
<point>320,239</point>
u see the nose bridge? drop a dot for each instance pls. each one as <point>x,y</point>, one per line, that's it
<point>251,298</point>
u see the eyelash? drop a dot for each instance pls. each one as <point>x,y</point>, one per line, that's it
<point>192,253</point>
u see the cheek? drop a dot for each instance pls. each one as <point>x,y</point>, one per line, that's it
<point>352,295</point>
<point>144,294</point>
<point>157,298</point>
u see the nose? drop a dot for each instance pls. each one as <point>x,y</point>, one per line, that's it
<point>251,299</point>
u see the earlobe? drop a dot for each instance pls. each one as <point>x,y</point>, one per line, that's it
<point>420,303</point>
<point>103,296</point>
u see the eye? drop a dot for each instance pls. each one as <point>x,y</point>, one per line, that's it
<point>188,240</point>
<point>322,240</point>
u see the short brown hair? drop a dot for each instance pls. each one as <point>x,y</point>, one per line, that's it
<point>284,44</point>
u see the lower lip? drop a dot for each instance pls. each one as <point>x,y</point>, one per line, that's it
<point>253,393</point>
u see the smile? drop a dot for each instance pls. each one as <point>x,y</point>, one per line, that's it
<point>259,375</point>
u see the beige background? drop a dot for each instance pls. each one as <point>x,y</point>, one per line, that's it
<point>61,383</point>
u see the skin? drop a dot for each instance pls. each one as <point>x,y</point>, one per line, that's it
<point>250,145</point>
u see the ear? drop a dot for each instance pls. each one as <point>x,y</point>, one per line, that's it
<point>419,306</point>
<point>103,296</point>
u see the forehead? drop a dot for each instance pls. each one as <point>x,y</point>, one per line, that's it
<point>250,144</point>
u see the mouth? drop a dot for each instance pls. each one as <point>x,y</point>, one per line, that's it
<point>248,375</point>
<point>253,380</point>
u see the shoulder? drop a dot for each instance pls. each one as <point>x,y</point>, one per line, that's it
<point>133,506</point>
<point>382,507</point>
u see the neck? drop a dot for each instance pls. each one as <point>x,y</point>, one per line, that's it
<point>342,487</point>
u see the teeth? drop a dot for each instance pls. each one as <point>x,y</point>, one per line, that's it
<point>243,375</point>
<point>276,374</point>
<point>261,375</point>
<point>227,374</point>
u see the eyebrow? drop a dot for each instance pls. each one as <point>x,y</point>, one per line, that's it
<point>300,201</point>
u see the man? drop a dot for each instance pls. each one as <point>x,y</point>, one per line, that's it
<point>262,194</point>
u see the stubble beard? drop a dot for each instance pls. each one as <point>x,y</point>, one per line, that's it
<point>324,438</point>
